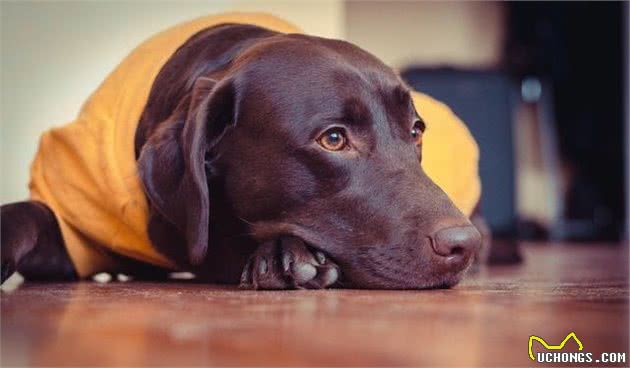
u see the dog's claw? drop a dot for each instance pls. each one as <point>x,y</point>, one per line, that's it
<point>245,277</point>
<point>262,266</point>
<point>288,263</point>
<point>321,258</point>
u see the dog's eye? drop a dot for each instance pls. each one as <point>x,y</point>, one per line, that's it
<point>416,132</point>
<point>333,139</point>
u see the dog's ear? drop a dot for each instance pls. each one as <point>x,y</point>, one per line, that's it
<point>172,164</point>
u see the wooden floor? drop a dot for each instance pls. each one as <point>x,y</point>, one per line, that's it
<point>487,320</point>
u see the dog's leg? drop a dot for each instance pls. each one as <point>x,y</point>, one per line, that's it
<point>32,243</point>
<point>288,264</point>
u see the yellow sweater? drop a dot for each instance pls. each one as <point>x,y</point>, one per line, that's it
<point>86,171</point>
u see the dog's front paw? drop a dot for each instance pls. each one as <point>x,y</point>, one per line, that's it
<point>288,264</point>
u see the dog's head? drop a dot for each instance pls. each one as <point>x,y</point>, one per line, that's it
<point>317,139</point>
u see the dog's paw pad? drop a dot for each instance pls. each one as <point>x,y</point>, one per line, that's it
<point>330,276</point>
<point>303,273</point>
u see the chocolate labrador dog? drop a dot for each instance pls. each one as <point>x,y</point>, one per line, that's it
<point>258,177</point>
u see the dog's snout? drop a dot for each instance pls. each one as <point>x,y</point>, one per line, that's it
<point>457,241</point>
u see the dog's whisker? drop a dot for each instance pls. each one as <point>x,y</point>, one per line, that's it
<point>245,221</point>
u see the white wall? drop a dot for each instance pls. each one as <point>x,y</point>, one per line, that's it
<point>465,34</point>
<point>54,54</point>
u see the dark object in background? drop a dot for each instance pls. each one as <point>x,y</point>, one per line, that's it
<point>577,46</point>
<point>484,100</point>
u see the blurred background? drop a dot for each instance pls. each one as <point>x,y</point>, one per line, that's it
<point>542,87</point>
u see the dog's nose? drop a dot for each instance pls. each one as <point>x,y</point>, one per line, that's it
<point>456,242</point>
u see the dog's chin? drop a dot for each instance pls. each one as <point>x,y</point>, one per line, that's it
<point>449,279</point>
<point>445,282</point>
<point>378,280</point>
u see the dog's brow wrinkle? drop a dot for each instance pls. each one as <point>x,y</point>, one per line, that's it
<point>355,113</point>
